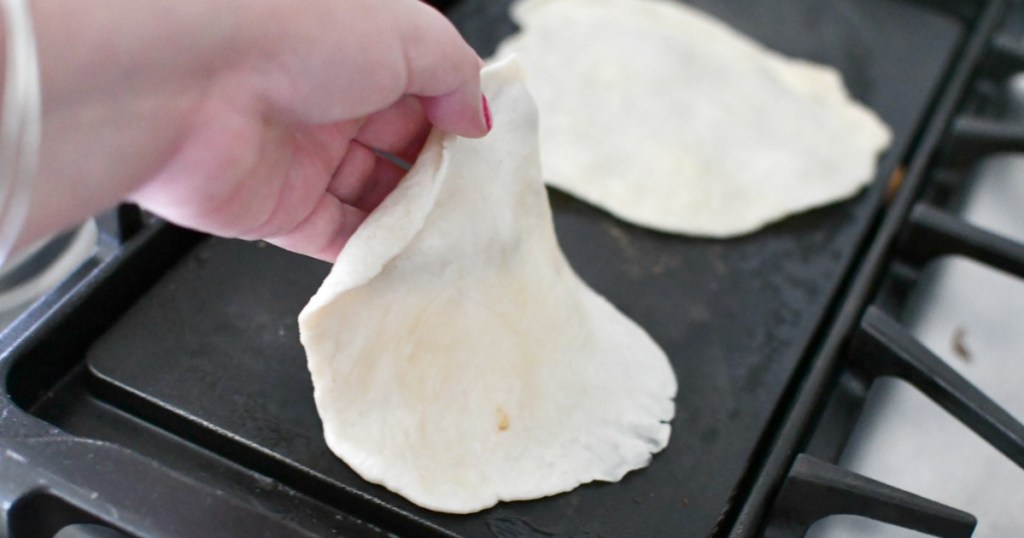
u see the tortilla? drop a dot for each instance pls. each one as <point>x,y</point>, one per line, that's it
<point>456,357</point>
<point>669,119</point>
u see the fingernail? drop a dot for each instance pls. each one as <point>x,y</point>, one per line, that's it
<point>487,112</point>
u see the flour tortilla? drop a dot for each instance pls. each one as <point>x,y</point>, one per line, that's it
<point>456,357</point>
<point>669,119</point>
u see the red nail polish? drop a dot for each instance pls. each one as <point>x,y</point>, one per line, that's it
<point>487,113</point>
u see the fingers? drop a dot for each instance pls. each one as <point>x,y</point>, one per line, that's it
<point>443,71</point>
<point>385,178</point>
<point>359,185</point>
<point>354,172</point>
<point>453,113</point>
<point>399,129</point>
<point>324,232</point>
<point>363,179</point>
<point>311,72</point>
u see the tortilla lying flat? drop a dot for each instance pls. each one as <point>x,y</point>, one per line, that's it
<point>456,357</point>
<point>669,119</point>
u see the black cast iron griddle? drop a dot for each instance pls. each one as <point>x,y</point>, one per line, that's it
<point>208,360</point>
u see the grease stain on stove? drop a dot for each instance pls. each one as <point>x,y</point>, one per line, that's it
<point>634,249</point>
<point>959,344</point>
<point>628,252</point>
<point>514,527</point>
<point>201,258</point>
<point>621,238</point>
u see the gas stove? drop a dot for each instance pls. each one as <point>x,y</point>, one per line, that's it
<point>846,372</point>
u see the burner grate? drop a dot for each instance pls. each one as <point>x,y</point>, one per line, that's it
<point>815,489</point>
<point>914,233</point>
<point>883,348</point>
<point>933,232</point>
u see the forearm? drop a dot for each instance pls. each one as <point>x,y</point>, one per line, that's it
<point>119,80</point>
<point>215,113</point>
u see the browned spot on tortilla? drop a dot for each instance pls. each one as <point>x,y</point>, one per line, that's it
<point>502,420</point>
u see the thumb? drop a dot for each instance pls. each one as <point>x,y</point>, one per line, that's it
<point>464,112</point>
<point>444,73</point>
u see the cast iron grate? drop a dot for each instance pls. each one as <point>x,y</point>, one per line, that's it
<point>916,232</point>
<point>815,489</point>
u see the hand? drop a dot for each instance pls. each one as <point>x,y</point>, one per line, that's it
<point>244,119</point>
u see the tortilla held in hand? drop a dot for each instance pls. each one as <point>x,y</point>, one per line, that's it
<point>456,357</point>
<point>670,119</point>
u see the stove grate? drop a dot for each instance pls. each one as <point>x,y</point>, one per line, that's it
<point>815,489</point>
<point>807,489</point>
